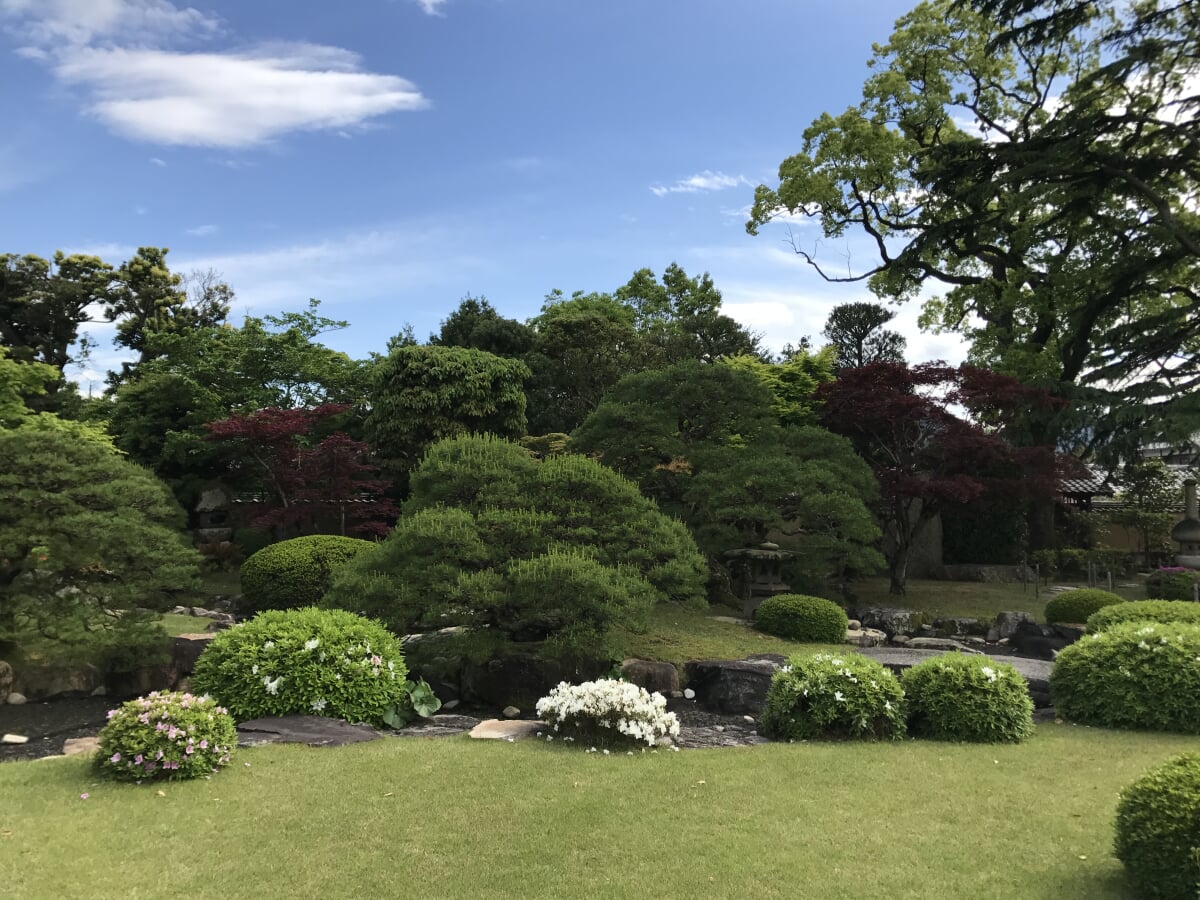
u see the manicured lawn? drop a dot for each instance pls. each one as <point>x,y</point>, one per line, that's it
<point>458,818</point>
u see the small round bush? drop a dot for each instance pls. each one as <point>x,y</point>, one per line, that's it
<point>325,662</point>
<point>1077,605</point>
<point>296,573</point>
<point>834,696</point>
<point>1142,675</point>
<point>957,697</point>
<point>167,735</point>
<point>799,618</point>
<point>1144,611</point>
<point>1171,584</point>
<point>1158,830</point>
<point>608,711</point>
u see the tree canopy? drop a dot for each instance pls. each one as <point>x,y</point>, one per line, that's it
<point>856,331</point>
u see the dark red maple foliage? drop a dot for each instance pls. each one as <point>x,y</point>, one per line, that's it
<point>901,421</point>
<point>307,483</point>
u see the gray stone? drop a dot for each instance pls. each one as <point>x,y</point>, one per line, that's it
<point>854,625</point>
<point>143,680</point>
<point>891,620</point>
<point>734,686</point>
<point>511,712</point>
<point>15,698</point>
<point>316,731</point>
<point>101,691</point>
<point>186,649</point>
<point>84,746</point>
<point>450,704</point>
<point>13,739</point>
<point>1008,622</point>
<point>221,624</point>
<point>512,730</point>
<point>656,677</point>
<point>46,682</point>
<point>865,637</point>
<point>1069,632</point>
<point>438,726</point>
<point>731,620</point>
<point>928,643</point>
<point>199,611</point>
<point>958,626</point>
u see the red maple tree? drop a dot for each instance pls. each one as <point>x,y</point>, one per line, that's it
<point>305,483</point>
<point>902,421</point>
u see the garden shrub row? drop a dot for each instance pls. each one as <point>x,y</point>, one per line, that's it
<point>1144,611</point>
<point>1078,605</point>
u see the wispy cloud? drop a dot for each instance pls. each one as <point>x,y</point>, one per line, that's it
<point>702,181</point>
<point>120,54</point>
<point>203,230</point>
<point>161,163</point>
<point>431,7</point>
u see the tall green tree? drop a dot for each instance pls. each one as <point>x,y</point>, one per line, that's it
<point>856,330</point>
<point>793,381</point>
<point>476,324</point>
<point>1040,179</point>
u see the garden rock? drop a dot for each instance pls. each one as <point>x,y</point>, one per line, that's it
<point>865,637</point>
<point>731,686</point>
<point>1067,632</point>
<point>891,620</point>
<point>521,679</point>
<point>511,712</point>
<point>6,680</point>
<point>928,643</point>
<point>511,730</point>
<point>46,682</point>
<point>13,739</point>
<point>186,649</point>
<point>959,626</point>
<point>84,746</point>
<point>1039,641</point>
<point>141,681</point>
<point>15,698</point>
<point>316,731</point>
<point>656,677</point>
<point>438,726</point>
<point>1036,672</point>
<point>1007,624</point>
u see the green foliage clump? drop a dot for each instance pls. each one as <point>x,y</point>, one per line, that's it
<point>297,572</point>
<point>1132,675</point>
<point>800,618</point>
<point>1078,605</point>
<point>1169,584</point>
<point>1144,611</point>
<point>1158,830</point>
<point>305,661</point>
<point>834,696</point>
<point>166,735</point>
<point>956,697</point>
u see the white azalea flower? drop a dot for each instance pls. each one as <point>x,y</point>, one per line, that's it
<point>312,644</point>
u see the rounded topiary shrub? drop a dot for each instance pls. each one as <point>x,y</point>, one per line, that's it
<point>1158,830</point>
<point>1145,611</point>
<point>956,697</point>
<point>608,711</point>
<point>800,618</point>
<point>1078,605</point>
<point>1132,675</point>
<point>296,573</point>
<point>1175,583</point>
<point>324,662</point>
<point>834,696</point>
<point>167,735</point>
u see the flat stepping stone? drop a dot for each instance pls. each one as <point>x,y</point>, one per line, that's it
<point>84,746</point>
<point>316,731</point>
<point>437,726</point>
<point>507,730</point>
<point>730,620</point>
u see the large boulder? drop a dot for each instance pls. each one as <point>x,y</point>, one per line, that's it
<point>959,626</point>
<point>1007,624</point>
<point>891,620</point>
<point>731,686</point>
<point>660,677</point>
<point>142,680</point>
<point>522,678</point>
<point>1038,641</point>
<point>186,649</point>
<point>865,637</point>
<point>49,682</point>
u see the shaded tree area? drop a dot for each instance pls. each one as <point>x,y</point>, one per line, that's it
<point>856,331</point>
<point>901,420</point>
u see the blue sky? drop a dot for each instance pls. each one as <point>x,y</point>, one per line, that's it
<point>389,157</point>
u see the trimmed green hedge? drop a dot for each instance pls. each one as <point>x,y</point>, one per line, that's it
<point>1078,605</point>
<point>1158,830</point>
<point>1132,675</point>
<point>296,573</point>
<point>827,695</point>
<point>797,617</point>
<point>1144,611</point>
<point>957,697</point>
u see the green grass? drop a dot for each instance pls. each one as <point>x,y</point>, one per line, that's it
<point>459,818</point>
<point>969,599</point>
<point>677,634</point>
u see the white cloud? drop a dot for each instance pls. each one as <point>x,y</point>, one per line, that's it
<point>203,230</point>
<point>431,7</point>
<point>703,181</point>
<point>52,23</point>
<point>232,99</point>
<point>158,162</point>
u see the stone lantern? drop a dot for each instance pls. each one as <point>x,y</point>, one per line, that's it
<point>759,574</point>
<point>1187,532</point>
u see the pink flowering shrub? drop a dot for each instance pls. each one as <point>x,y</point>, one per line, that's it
<point>167,735</point>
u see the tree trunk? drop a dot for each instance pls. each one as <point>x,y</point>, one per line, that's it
<point>898,571</point>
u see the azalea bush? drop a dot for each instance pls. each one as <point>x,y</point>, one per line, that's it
<point>830,695</point>
<point>1078,605</point>
<point>1132,675</point>
<point>608,711</point>
<point>1158,830</point>
<point>797,617</point>
<point>167,735</point>
<point>956,697</point>
<point>296,573</point>
<point>323,662</point>
<point>1145,611</point>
